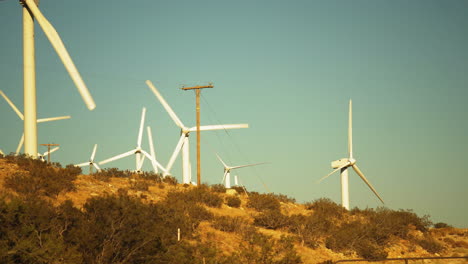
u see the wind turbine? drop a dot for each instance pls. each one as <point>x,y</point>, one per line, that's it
<point>183,142</point>
<point>227,171</point>
<point>21,116</point>
<point>137,151</point>
<point>91,162</point>
<point>31,12</point>
<point>1,153</point>
<point>344,163</point>
<point>42,156</point>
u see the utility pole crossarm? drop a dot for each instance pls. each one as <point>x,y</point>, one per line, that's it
<point>197,96</point>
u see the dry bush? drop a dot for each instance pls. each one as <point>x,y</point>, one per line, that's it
<point>170,180</point>
<point>441,225</point>
<point>219,188</point>
<point>40,178</point>
<point>233,201</point>
<point>430,245</point>
<point>326,208</point>
<point>229,224</point>
<point>271,219</point>
<point>139,185</point>
<point>263,202</point>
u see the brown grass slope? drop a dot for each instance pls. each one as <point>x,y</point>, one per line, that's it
<point>318,231</point>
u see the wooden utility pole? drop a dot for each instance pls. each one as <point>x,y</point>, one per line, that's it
<point>197,96</point>
<point>48,150</point>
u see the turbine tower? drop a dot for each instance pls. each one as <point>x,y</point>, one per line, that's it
<point>184,136</point>
<point>21,116</point>
<point>343,164</point>
<point>227,171</point>
<point>31,12</point>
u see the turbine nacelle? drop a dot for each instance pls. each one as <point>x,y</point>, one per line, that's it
<point>340,163</point>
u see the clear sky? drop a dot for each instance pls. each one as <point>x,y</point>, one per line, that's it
<point>287,68</point>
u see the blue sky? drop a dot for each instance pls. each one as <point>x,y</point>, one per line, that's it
<point>288,68</point>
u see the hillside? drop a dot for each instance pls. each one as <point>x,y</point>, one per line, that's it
<point>120,217</point>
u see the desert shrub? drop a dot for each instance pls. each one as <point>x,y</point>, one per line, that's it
<point>41,179</point>
<point>233,201</point>
<point>139,185</point>
<point>229,224</point>
<point>272,219</point>
<point>202,194</point>
<point>106,174</point>
<point>358,237</point>
<point>326,208</point>
<point>441,225</point>
<point>170,180</point>
<point>239,189</point>
<point>118,229</point>
<point>371,251</point>
<point>31,232</point>
<point>388,222</point>
<point>219,188</point>
<point>310,228</point>
<point>284,198</point>
<point>430,244</point>
<point>263,202</point>
<point>260,248</point>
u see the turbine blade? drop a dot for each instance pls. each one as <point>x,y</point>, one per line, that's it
<point>94,153</point>
<point>96,166</point>
<point>350,129</point>
<point>51,151</point>
<point>323,178</point>
<point>359,172</point>
<point>248,165</point>
<point>142,122</point>
<point>166,106</point>
<point>42,120</point>
<point>20,144</point>
<point>82,164</point>
<point>154,161</point>
<point>123,155</point>
<point>219,127</point>
<point>12,105</point>
<point>224,164</point>
<point>174,154</point>
<point>62,52</point>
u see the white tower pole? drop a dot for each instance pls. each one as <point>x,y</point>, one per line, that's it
<point>185,161</point>
<point>29,71</point>
<point>344,188</point>
<point>228,180</point>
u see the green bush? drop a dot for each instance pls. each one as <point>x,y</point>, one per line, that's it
<point>263,202</point>
<point>233,201</point>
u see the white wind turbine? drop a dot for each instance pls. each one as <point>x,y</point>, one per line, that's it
<point>344,163</point>
<point>183,142</point>
<point>21,116</point>
<point>1,153</point>
<point>137,151</point>
<point>227,171</point>
<point>91,162</point>
<point>31,12</point>
<point>47,153</point>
